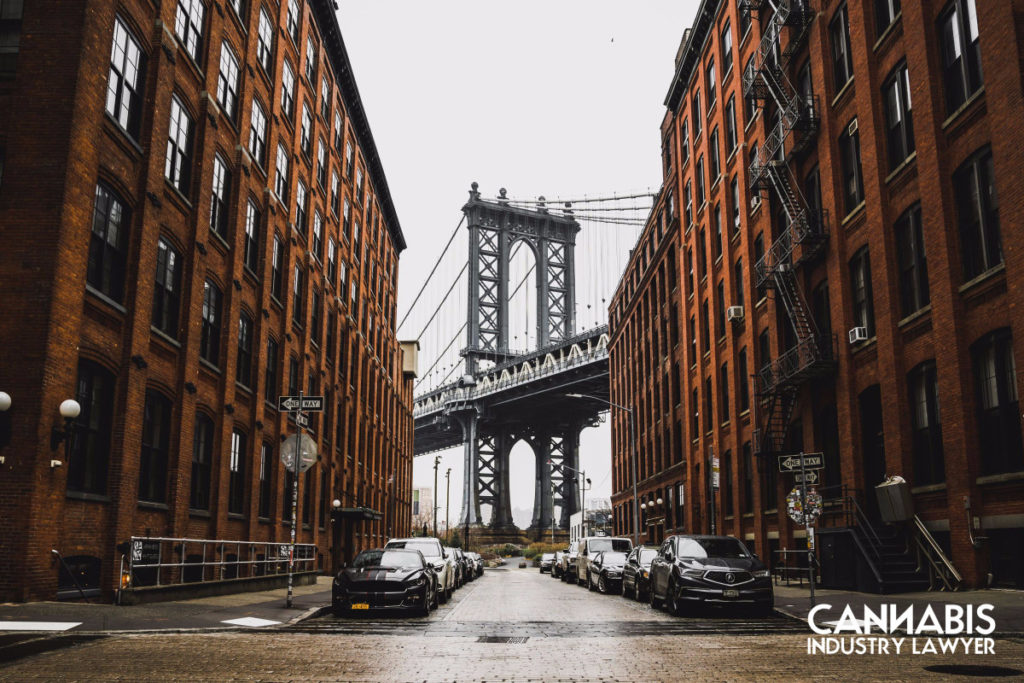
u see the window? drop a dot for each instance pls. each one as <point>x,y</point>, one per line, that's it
<point>749,103</point>
<point>735,207</point>
<point>764,349</point>
<point>737,283</point>
<point>251,258</point>
<point>293,376</point>
<point>720,309</point>
<point>343,285</point>
<point>167,292</point>
<point>339,130</point>
<point>178,165</point>
<point>10,36</point>
<point>90,448</point>
<point>849,151</point>
<point>744,15</point>
<point>712,86</point>
<point>202,458</point>
<point>688,208</point>
<point>742,374</point>
<point>209,342</point>
<point>108,244</point>
<point>310,59</point>
<point>277,269</point>
<point>321,163</point>
<point>715,159</point>
<point>318,236</point>
<point>718,231</point>
<point>124,84</point>
<point>266,468</point>
<point>243,368</point>
<point>346,219</point>
<point>281,175</point>
<point>702,255</point>
<point>156,445</point>
<point>842,62</point>
<point>709,416</point>
<point>332,260</point>
<point>899,121</point>
<point>227,81</point>
<point>886,12</point>
<point>695,114</point>
<point>684,136</point>
<point>258,133</point>
<point>863,303</point>
<point>821,311</point>
<point>219,196</point>
<point>977,208</point>
<point>270,372</point>
<point>298,294</point>
<point>925,424</point>
<point>315,317</point>
<point>335,193</point>
<point>723,393</point>
<point>758,256</point>
<point>360,186</point>
<point>265,42</point>
<point>995,377</point>
<point>288,90</point>
<point>913,269</point>
<point>349,156</point>
<point>961,54</point>
<point>306,131</point>
<point>705,327</point>
<point>731,139</point>
<point>188,25</point>
<point>695,414</point>
<point>236,473</point>
<point>726,49</point>
<point>292,20</point>
<point>700,182</point>
<point>325,98</point>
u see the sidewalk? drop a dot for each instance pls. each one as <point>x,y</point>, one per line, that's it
<point>1008,605</point>
<point>257,609</point>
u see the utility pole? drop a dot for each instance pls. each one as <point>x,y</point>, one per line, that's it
<point>437,461</point>
<point>447,498</point>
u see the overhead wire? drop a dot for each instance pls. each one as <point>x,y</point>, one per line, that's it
<point>432,271</point>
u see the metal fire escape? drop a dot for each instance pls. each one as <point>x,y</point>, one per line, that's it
<point>793,129</point>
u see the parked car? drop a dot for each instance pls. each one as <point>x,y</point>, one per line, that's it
<point>477,563</point>
<point>457,566</point>
<point>567,570</point>
<point>385,579</point>
<point>606,571</point>
<point>589,546</point>
<point>692,570</point>
<point>436,556</point>
<point>468,567</point>
<point>546,560</point>
<point>556,564</point>
<point>636,573</point>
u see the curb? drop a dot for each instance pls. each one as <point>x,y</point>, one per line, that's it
<point>311,613</point>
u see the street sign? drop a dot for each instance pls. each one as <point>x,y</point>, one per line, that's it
<point>791,463</point>
<point>810,478</point>
<point>715,477</point>
<point>800,513</point>
<point>302,419</point>
<point>307,455</point>
<point>291,404</point>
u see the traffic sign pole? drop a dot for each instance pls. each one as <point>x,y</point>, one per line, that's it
<point>295,496</point>
<point>807,522</point>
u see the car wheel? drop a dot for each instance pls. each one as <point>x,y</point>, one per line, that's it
<point>652,598</point>
<point>448,594</point>
<point>676,605</point>
<point>601,585</point>
<point>433,600</point>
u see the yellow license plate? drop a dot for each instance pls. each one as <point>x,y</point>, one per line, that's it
<point>360,605</point>
<point>730,593</point>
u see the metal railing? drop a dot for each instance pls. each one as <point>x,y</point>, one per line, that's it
<point>939,566</point>
<point>162,561</point>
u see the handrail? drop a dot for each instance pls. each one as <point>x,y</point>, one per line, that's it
<point>933,550</point>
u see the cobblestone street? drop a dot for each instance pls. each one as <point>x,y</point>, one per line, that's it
<point>508,625</point>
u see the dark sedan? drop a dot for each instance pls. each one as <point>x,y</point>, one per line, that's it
<point>605,573</point>
<point>636,574</point>
<point>387,580</point>
<point>690,570</point>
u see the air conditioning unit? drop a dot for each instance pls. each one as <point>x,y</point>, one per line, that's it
<point>734,313</point>
<point>851,128</point>
<point>755,201</point>
<point>858,334</point>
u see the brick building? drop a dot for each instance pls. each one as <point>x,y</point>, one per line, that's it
<point>828,265</point>
<point>194,221</point>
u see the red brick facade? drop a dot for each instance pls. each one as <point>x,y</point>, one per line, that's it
<point>61,137</point>
<point>664,356</point>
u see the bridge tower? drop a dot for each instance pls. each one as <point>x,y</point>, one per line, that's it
<point>495,226</point>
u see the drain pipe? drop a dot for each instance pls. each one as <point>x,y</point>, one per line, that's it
<point>975,540</point>
<point>68,570</point>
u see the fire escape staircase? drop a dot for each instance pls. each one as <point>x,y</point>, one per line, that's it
<point>804,237</point>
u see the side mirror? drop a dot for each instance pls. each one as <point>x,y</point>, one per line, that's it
<point>344,565</point>
<point>444,553</point>
<point>669,557</point>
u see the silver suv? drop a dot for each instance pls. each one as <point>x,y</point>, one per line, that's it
<point>589,546</point>
<point>441,559</point>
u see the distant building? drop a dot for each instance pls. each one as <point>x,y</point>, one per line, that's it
<point>423,510</point>
<point>832,259</point>
<point>195,221</point>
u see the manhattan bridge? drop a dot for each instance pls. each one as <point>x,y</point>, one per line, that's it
<point>512,323</point>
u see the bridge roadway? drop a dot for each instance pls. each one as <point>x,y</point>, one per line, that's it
<point>519,392</point>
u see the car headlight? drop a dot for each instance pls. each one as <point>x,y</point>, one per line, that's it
<point>692,573</point>
<point>762,573</point>
<point>643,573</point>
<point>418,581</point>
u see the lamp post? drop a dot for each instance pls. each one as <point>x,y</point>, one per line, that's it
<point>69,410</point>
<point>437,461</point>
<point>447,497</point>
<point>5,421</point>
<point>583,492</point>
<point>632,441</point>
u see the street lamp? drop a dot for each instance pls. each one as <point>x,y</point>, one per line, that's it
<point>583,490</point>
<point>447,497</point>
<point>5,421</point>
<point>69,410</point>
<point>437,461</point>
<point>632,440</point>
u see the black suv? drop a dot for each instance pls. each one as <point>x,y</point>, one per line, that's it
<point>692,570</point>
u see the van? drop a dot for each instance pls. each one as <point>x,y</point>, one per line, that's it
<point>590,546</point>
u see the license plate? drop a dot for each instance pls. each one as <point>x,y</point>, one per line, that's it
<point>729,593</point>
<point>363,605</point>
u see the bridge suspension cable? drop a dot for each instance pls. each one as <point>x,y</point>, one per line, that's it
<point>432,271</point>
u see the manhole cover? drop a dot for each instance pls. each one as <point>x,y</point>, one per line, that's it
<point>506,640</point>
<point>980,670</point>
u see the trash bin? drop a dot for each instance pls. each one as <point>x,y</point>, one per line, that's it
<point>895,503</point>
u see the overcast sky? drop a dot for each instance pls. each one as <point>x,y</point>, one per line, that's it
<point>558,98</point>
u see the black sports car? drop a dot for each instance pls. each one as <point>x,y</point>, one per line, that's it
<point>606,571</point>
<point>636,573</point>
<point>385,579</point>
<point>710,570</point>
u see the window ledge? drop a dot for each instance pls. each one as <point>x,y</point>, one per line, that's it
<point>124,135</point>
<point>889,31</point>
<point>854,213</point>
<point>916,315</point>
<point>755,117</point>
<point>152,505</point>
<point>748,515</point>
<point>202,514</point>
<point>847,89</point>
<point>221,239</point>
<point>761,302</point>
<point>932,488</point>
<point>177,195</point>
<point>969,104</point>
<point>105,299</point>
<point>236,515</point>
<point>989,274</point>
<point>163,336</point>
<point>866,344</point>
<point>91,497</point>
<point>209,366</point>
<point>1000,478</point>
<point>904,165</point>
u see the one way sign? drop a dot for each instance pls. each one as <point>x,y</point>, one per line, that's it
<point>791,463</point>
<point>291,404</point>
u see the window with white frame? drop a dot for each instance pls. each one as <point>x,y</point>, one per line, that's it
<point>124,84</point>
<point>188,25</point>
